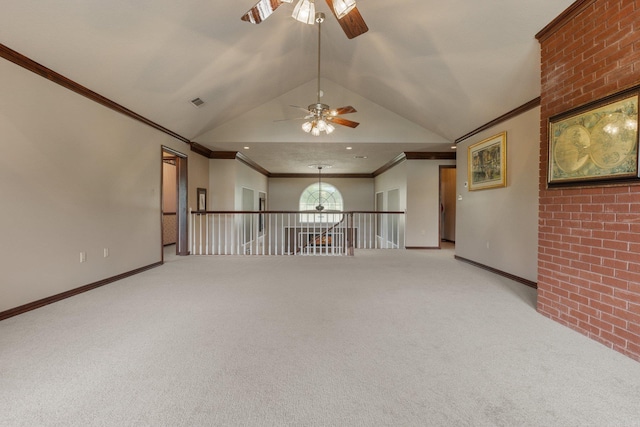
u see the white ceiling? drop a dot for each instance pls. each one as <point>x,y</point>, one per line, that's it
<point>426,72</point>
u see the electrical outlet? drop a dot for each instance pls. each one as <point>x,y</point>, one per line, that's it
<point>83,256</point>
<point>487,244</point>
<point>106,252</point>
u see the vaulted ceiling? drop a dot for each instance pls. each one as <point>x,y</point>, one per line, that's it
<point>426,72</point>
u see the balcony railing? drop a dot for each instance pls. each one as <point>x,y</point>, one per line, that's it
<point>294,232</point>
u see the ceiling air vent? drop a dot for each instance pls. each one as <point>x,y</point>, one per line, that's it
<point>197,102</point>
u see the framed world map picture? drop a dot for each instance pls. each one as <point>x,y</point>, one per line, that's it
<point>597,142</point>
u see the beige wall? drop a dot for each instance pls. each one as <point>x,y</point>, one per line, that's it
<point>249,178</point>
<point>418,182</point>
<point>284,193</point>
<point>498,227</point>
<point>222,180</point>
<point>75,177</point>
<point>423,202</point>
<point>227,178</point>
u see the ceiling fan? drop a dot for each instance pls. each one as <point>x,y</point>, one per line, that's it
<point>320,117</point>
<point>345,12</point>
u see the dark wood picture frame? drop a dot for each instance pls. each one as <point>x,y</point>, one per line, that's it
<point>202,199</point>
<point>596,143</point>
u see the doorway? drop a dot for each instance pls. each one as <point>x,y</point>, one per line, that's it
<point>447,203</point>
<point>174,201</point>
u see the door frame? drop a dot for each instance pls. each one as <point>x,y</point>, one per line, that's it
<point>182,189</point>
<point>440,201</point>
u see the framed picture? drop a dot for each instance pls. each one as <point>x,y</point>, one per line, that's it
<point>487,163</point>
<point>595,143</point>
<point>202,199</point>
<point>261,208</point>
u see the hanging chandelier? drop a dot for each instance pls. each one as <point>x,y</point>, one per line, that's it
<point>320,207</point>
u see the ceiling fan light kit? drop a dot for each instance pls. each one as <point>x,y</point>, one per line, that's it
<point>305,11</point>
<point>343,7</point>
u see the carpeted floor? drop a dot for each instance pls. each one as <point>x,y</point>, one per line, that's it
<point>385,338</point>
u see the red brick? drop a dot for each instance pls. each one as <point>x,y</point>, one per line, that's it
<point>615,321</point>
<point>587,328</point>
<point>628,275</point>
<point>628,237</point>
<point>632,315</point>
<point>616,283</point>
<point>633,350</point>
<point>626,334</point>
<point>603,326</point>
<point>602,289</point>
<point>603,217</point>
<point>615,245</point>
<point>603,253</point>
<point>617,208</point>
<point>613,339</point>
<point>629,297</point>
<point>603,198</point>
<point>593,277</point>
<point>616,264</point>
<point>591,190</point>
<point>626,217</point>
<point>603,271</point>
<point>630,255</point>
<point>614,301</point>
<point>617,226</point>
<point>606,308</point>
<point>583,317</point>
<point>594,293</point>
<point>628,198</point>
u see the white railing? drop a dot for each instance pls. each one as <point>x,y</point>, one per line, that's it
<point>293,232</point>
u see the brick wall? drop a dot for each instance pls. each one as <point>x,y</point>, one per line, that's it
<point>589,238</point>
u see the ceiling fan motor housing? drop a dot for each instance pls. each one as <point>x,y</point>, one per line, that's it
<point>319,110</point>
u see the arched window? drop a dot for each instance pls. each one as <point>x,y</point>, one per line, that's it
<point>321,194</point>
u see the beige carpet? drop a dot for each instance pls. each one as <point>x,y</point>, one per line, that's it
<point>386,338</point>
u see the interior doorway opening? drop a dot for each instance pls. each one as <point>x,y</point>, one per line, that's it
<point>447,203</point>
<point>174,201</point>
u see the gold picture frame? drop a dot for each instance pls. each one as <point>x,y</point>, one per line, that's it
<point>596,143</point>
<point>487,163</point>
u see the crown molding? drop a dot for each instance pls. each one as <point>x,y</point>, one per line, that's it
<point>430,155</point>
<point>503,118</point>
<point>562,19</point>
<point>324,175</point>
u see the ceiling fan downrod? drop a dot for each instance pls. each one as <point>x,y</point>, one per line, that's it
<point>321,117</point>
<point>319,20</point>
<point>319,208</point>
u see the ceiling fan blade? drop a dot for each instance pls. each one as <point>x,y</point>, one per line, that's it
<point>343,122</point>
<point>345,110</point>
<point>300,108</point>
<point>352,24</point>
<point>294,118</point>
<point>261,11</point>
